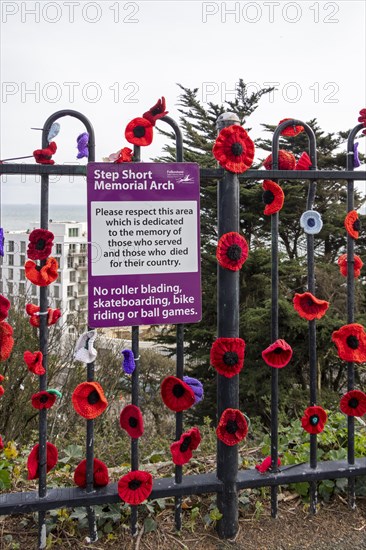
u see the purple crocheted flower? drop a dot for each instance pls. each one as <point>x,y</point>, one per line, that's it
<point>128,361</point>
<point>196,386</point>
<point>1,241</point>
<point>82,145</point>
<point>356,160</point>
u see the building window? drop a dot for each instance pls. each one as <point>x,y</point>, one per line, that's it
<point>72,276</point>
<point>10,246</point>
<point>59,277</point>
<point>1,287</point>
<point>10,259</point>
<point>70,291</point>
<point>22,274</point>
<point>58,249</point>
<point>10,288</point>
<point>71,330</point>
<point>34,290</point>
<point>58,304</point>
<point>72,248</point>
<point>72,305</point>
<point>73,231</point>
<point>70,262</point>
<point>22,247</point>
<point>22,259</point>
<point>56,291</point>
<point>83,248</point>
<point>22,288</point>
<point>10,274</point>
<point>82,260</point>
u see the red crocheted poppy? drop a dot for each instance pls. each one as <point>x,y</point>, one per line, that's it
<point>362,117</point>
<point>2,378</point>
<point>125,155</point>
<point>40,244</point>
<point>2,391</point>
<point>286,161</point>
<point>278,354</point>
<point>89,400</point>
<point>265,465</point>
<point>131,420</point>
<point>182,449</point>
<point>233,149</point>
<point>309,307</point>
<point>351,343</point>
<point>1,443</point>
<point>43,400</point>
<point>4,307</point>
<point>232,427</point>
<point>357,265</point>
<point>314,420</point>
<point>227,356</point>
<point>353,403</point>
<point>41,276</point>
<point>33,460</point>
<point>53,315</point>
<point>273,197</point>
<point>100,474</point>
<point>304,162</point>
<point>44,156</point>
<point>176,394</point>
<point>6,340</point>
<point>232,251</point>
<point>135,487</point>
<point>139,131</point>
<point>291,131</point>
<point>352,224</point>
<point>34,362</point>
<point>156,112</point>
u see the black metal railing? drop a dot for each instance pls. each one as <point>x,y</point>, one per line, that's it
<point>227,480</point>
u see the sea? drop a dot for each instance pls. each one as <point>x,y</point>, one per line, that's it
<point>18,217</point>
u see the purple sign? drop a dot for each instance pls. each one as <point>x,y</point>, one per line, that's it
<point>144,244</point>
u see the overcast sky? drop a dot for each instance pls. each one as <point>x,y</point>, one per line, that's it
<point>113,60</point>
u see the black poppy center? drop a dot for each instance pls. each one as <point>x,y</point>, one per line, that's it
<point>38,267</point>
<point>309,302</point>
<point>132,421</point>
<point>41,243</point>
<point>93,397</point>
<point>43,399</point>
<point>134,484</point>
<point>232,426</point>
<point>237,149</point>
<point>230,358</point>
<point>356,225</point>
<point>185,445</point>
<point>178,390</point>
<point>311,222</point>
<point>278,351</point>
<point>314,420</point>
<point>352,342</point>
<point>234,252</point>
<point>268,197</point>
<point>139,131</point>
<point>353,403</point>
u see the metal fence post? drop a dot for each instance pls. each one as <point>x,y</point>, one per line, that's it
<point>227,327</point>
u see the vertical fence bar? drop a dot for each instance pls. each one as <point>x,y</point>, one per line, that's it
<point>274,336</point>
<point>350,312</point>
<point>179,369</point>
<point>135,339</point>
<point>43,346</point>
<point>228,327</point>
<point>44,342</point>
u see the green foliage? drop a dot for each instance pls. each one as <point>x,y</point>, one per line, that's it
<point>294,448</point>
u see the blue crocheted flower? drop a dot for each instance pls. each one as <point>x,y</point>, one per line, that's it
<point>128,361</point>
<point>54,130</point>
<point>196,386</point>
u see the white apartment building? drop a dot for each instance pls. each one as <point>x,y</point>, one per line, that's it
<point>69,292</point>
